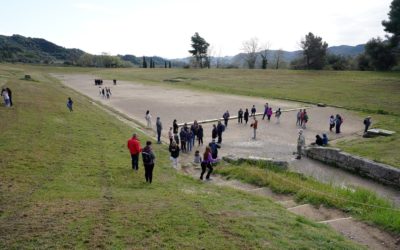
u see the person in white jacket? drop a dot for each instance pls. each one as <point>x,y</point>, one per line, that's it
<point>148,118</point>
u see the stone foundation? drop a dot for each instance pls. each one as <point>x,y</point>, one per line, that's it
<point>377,171</point>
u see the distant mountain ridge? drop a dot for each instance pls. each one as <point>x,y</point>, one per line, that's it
<point>17,48</point>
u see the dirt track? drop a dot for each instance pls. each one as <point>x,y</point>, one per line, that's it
<point>274,140</point>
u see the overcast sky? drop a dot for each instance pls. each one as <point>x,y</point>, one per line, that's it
<point>164,28</point>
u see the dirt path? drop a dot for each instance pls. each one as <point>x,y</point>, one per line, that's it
<point>352,229</point>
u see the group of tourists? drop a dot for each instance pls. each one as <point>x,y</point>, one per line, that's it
<point>98,82</point>
<point>7,96</point>
<point>105,92</point>
<point>183,139</point>
<point>302,118</point>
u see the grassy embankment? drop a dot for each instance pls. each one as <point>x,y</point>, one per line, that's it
<point>361,203</point>
<point>370,93</point>
<point>66,183</point>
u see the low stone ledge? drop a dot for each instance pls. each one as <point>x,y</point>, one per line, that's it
<point>282,165</point>
<point>377,171</point>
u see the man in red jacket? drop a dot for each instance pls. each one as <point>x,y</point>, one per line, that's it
<point>134,149</point>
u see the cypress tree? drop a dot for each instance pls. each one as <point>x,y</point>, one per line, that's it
<point>144,62</point>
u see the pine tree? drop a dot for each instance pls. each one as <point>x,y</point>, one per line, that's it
<point>314,51</point>
<point>199,51</point>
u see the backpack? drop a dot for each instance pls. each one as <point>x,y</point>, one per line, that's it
<point>214,149</point>
<point>147,159</point>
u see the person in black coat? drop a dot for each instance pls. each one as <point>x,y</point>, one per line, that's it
<point>200,135</point>
<point>148,162</point>
<point>319,140</point>
<point>246,115</point>
<point>183,136</point>
<point>214,132</point>
<point>220,130</point>
<point>175,127</point>
<point>367,122</point>
<point>240,116</point>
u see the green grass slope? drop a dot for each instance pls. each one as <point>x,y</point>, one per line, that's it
<point>66,182</point>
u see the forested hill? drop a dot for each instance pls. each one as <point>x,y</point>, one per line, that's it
<point>17,48</point>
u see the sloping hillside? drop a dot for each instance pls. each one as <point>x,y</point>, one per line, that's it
<point>18,48</point>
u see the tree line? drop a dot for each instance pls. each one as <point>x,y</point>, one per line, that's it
<point>379,54</point>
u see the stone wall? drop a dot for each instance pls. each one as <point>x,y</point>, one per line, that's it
<point>374,170</point>
<point>282,165</point>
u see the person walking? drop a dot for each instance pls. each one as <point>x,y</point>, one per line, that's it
<point>338,121</point>
<point>253,110</point>
<point>175,126</point>
<point>134,149</point>
<point>148,158</point>
<point>69,104</point>
<point>269,113</point>
<point>298,116</point>
<point>220,130</point>
<point>214,149</point>
<point>367,123</point>
<point>278,114</point>
<point>305,119</point>
<point>302,117</point>
<point>148,118</point>
<point>200,135</point>
<point>159,129</point>
<point>207,164</point>
<point>331,123</point>
<point>195,130</point>
<point>174,154</point>
<point>10,96</point>
<point>214,132</point>
<point>240,116</point>
<point>182,137</point>
<point>170,135</point>
<point>246,116</point>
<point>301,142</point>
<point>226,118</point>
<point>6,97</point>
<point>265,110</point>
<point>254,125</point>
<point>189,140</point>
